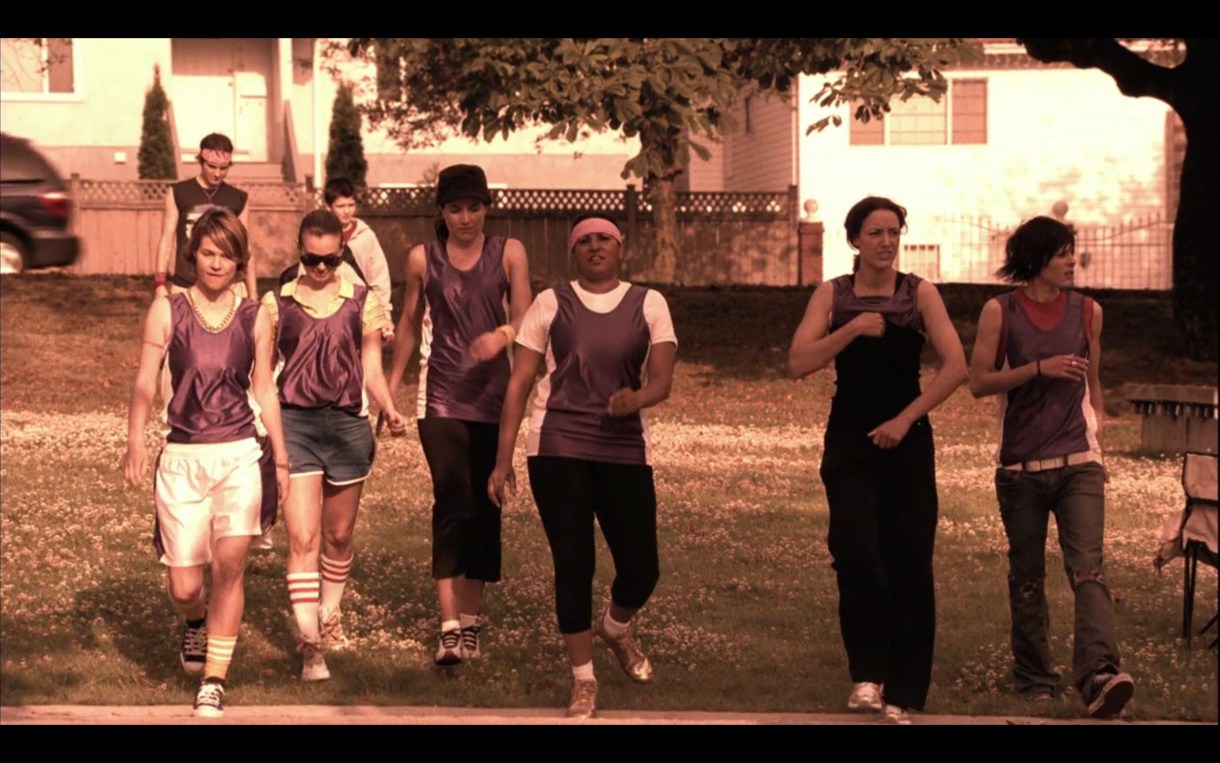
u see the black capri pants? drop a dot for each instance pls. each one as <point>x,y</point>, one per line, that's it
<point>569,493</point>
<point>465,523</point>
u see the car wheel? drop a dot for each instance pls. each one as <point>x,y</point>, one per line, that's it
<point>12,254</point>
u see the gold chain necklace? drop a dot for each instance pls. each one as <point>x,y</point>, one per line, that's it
<point>212,328</point>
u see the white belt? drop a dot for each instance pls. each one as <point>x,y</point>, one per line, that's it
<point>1046,464</point>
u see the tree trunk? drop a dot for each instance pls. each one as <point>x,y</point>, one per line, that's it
<point>1195,241</point>
<point>664,201</point>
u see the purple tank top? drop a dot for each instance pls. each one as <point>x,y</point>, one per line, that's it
<point>210,374</point>
<point>595,355</point>
<point>322,361</point>
<point>1044,418</point>
<point>877,377</point>
<point>463,304</point>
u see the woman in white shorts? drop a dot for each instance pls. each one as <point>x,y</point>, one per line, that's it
<point>216,487</point>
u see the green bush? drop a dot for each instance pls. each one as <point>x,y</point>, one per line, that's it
<point>157,160</point>
<point>345,154</point>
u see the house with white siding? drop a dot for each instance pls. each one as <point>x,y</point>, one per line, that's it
<point>81,101</point>
<point>1011,139</point>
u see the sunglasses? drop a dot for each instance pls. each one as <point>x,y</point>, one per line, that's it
<point>331,261</point>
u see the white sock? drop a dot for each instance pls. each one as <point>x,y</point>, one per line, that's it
<point>450,625</point>
<point>583,672</point>
<point>613,627</point>
<point>334,578</point>
<point>468,621</point>
<point>303,593</point>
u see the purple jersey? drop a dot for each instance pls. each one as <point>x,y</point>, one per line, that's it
<point>210,375</point>
<point>595,355</point>
<point>877,377</point>
<point>322,356</point>
<point>461,305</point>
<point>1045,418</point>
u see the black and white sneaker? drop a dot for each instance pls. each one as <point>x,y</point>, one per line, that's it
<point>193,652</point>
<point>210,699</point>
<point>1108,694</point>
<point>449,651</point>
<point>470,642</point>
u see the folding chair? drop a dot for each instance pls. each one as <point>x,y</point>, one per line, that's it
<point>1198,530</point>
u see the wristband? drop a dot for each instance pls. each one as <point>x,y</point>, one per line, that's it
<point>508,331</point>
<point>1038,367</point>
<point>279,465</point>
<point>159,279</point>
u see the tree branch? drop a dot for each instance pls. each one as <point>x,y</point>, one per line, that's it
<point>1135,76</point>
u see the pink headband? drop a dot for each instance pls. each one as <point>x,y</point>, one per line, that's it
<point>213,156</point>
<point>593,225</point>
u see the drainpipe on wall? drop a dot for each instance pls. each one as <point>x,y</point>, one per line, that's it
<point>317,119</point>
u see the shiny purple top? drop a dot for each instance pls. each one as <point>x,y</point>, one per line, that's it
<point>463,304</point>
<point>322,362</point>
<point>210,373</point>
<point>596,354</point>
<point>1044,418</point>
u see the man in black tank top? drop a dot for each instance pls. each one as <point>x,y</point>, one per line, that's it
<point>185,202</point>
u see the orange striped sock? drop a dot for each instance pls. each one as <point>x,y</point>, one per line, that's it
<point>334,578</point>
<point>303,593</point>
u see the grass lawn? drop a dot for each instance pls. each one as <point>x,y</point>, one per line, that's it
<point>744,618</point>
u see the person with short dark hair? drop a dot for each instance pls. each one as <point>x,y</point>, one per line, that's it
<point>329,344</point>
<point>878,460</point>
<point>215,486</point>
<point>1039,346</point>
<point>608,349</point>
<point>466,294</point>
<point>185,202</point>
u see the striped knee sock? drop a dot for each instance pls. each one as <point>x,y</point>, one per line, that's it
<point>220,654</point>
<point>334,578</point>
<point>303,593</point>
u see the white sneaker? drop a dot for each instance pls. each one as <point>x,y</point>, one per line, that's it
<point>313,664</point>
<point>896,714</point>
<point>865,695</point>
<point>210,699</point>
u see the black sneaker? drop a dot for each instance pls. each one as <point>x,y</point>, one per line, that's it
<point>1108,694</point>
<point>193,652</point>
<point>210,699</point>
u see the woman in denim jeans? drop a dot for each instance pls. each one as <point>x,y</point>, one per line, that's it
<point>1040,347</point>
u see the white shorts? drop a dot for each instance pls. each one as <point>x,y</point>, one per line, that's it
<point>204,492</point>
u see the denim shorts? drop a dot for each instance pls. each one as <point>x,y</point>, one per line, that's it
<point>335,443</point>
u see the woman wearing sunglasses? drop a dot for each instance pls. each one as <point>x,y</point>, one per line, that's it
<point>329,346</point>
<point>465,298</point>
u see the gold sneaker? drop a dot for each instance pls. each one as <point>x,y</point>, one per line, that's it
<point>333,637</point>
<point>629,655</point>
<point>583,703</point>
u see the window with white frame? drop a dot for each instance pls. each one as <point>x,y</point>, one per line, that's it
<point>37,66</point>
<point>959,118</point>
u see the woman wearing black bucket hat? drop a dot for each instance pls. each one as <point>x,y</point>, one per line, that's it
<point>466,295</point>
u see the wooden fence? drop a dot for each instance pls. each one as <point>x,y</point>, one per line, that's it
<point>727,238</point>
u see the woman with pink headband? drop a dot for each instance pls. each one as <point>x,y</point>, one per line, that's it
<point>608,348</point>
<point>466,295</point>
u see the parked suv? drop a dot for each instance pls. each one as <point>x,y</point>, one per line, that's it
<point>35,210</point>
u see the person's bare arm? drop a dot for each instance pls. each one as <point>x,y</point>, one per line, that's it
<point>155,339</point>
<point>168,244</point>
<point>411,323</point>
<point>813,347</point>
<point>952,371</point>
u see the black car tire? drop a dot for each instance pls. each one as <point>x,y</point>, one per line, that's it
<point>13,253</point>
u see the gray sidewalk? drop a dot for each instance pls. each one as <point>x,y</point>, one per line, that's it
<point>414,716</point>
